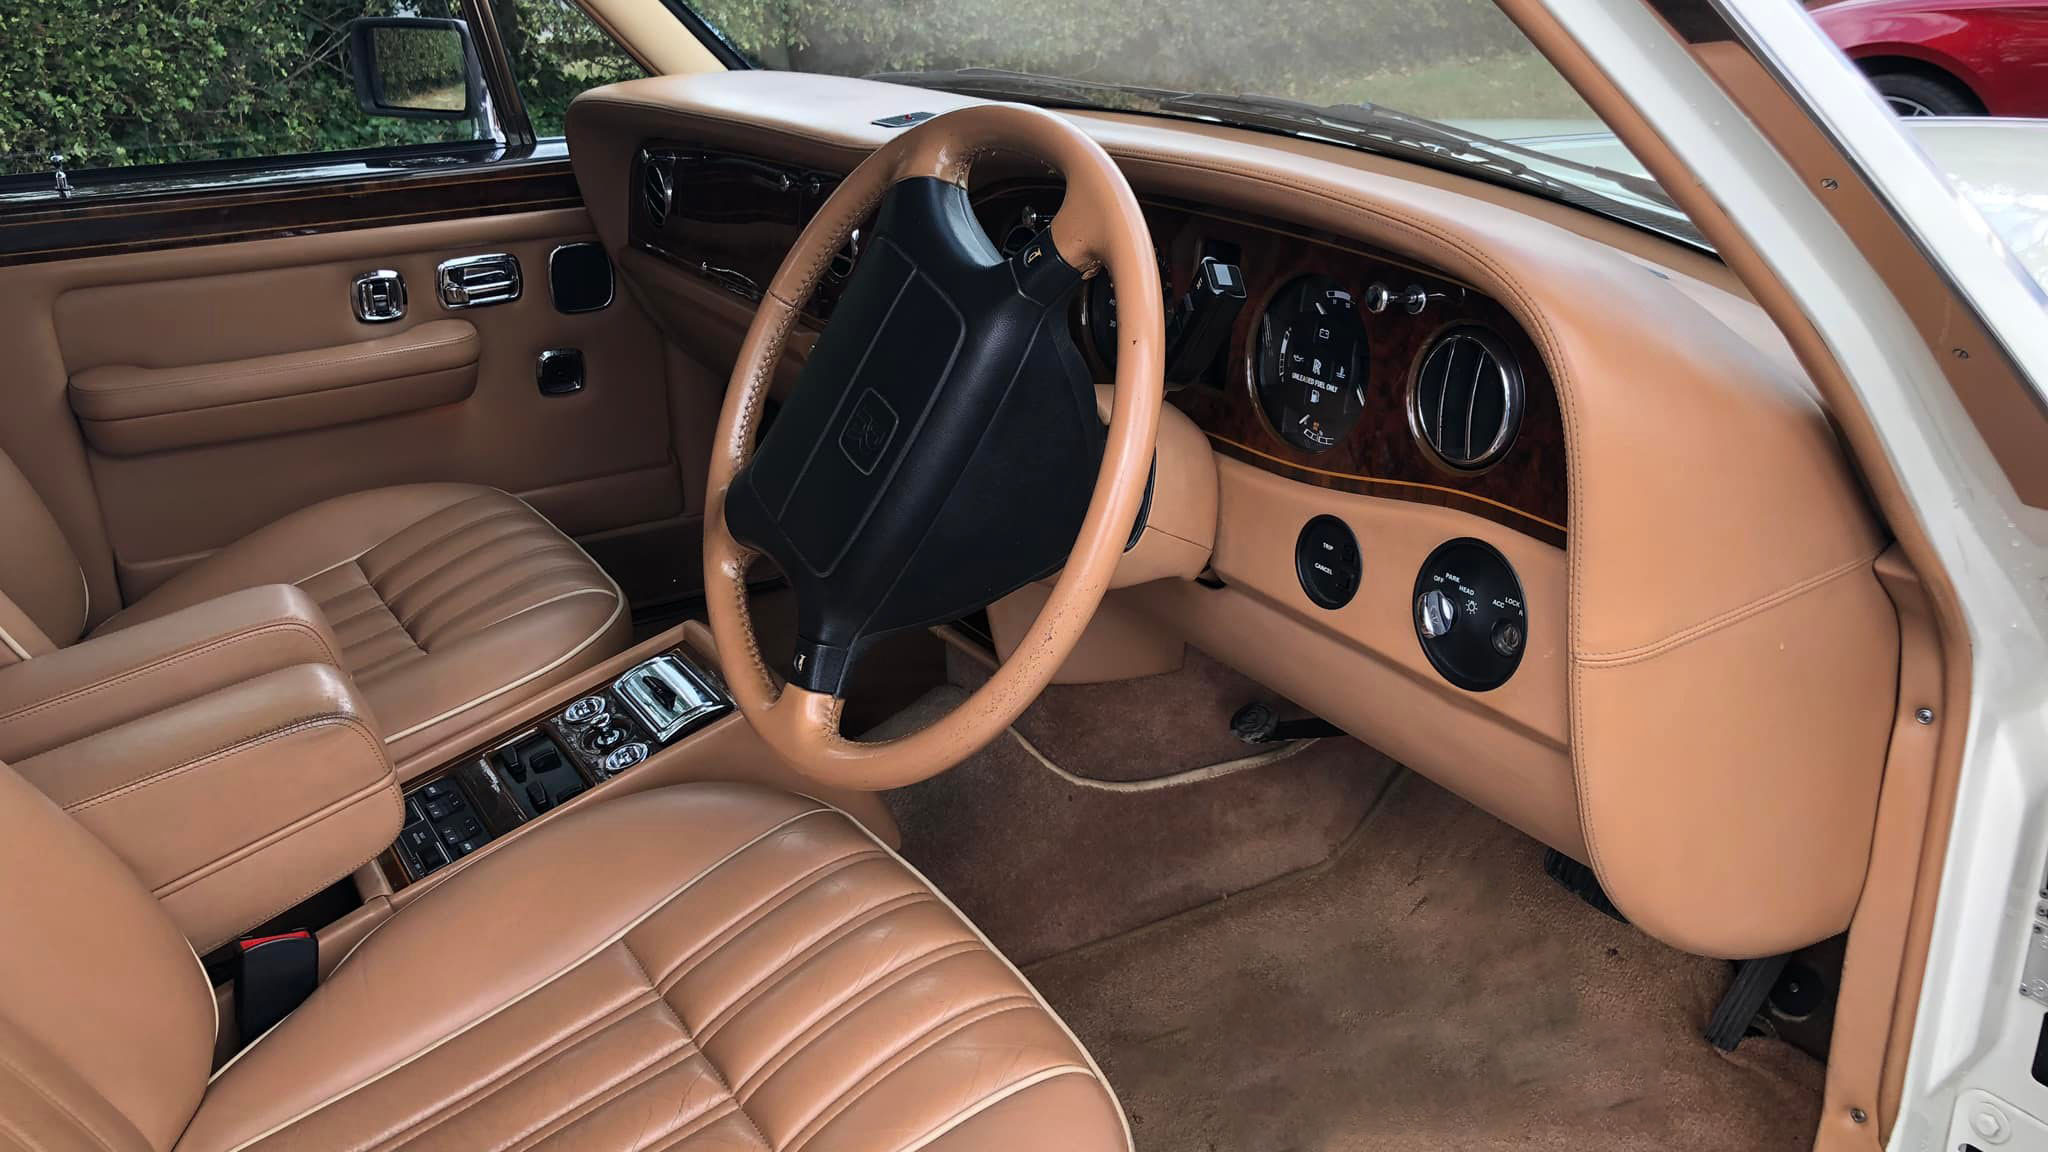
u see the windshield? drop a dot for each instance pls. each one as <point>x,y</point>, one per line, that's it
<point>1451,83</point>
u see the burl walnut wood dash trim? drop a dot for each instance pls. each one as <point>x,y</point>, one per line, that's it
<point>31,234</point>
<point>1381,456</point>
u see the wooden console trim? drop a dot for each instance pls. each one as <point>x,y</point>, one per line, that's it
<point>727,749</point>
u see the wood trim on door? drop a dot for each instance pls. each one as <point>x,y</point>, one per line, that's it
<point>66,231</point>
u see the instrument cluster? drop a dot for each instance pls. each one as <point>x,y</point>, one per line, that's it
<point>1331,362</point>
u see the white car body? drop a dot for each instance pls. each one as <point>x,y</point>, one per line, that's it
<point>1999,165</point>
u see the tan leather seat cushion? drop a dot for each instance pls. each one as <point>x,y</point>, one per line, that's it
<point>443,596</point>
<point>697,967</point>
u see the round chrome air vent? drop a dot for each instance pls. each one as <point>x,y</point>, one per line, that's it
<point>1466,402</point>
<point>657,186</point>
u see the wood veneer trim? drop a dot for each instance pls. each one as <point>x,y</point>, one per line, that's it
<point>1548,531</point>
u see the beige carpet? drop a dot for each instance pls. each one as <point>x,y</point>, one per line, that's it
<point>1429,988</point>
<point>1140,729</point>
<point>1043,864</point>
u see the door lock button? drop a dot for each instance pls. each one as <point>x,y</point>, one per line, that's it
<point>379,296</point>
<point>560,373</point>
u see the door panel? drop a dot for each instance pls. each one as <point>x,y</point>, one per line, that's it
<point>272,404</point>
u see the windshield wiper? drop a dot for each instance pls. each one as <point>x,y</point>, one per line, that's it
<point>1371,127</point>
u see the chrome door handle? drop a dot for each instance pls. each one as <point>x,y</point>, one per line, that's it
<point>379,296</point>
<point>471,281</point>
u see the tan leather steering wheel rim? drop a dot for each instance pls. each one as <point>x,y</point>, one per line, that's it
<point>1098,226</point>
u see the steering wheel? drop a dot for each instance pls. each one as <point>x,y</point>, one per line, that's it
<point>942,446</point>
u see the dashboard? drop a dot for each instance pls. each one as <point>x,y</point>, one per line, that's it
<point>1302,355</point>
<point>1538,505</point>
<point>1319,359</point>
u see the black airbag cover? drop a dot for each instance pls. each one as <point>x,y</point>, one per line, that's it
<point>941,444</point>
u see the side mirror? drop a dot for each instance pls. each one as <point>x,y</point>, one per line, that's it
<point>414,68</point>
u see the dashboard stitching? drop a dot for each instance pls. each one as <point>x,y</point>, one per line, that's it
<point>665,109</point>
<point>1679,639</point>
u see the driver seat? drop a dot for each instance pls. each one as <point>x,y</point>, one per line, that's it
<point>705,966</point>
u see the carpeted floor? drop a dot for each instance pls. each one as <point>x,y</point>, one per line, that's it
<point>1139,729</point>
<point>1429,988</point>
<point>1044,864</point>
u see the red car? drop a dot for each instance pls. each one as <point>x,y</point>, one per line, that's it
<point>1948,57</point>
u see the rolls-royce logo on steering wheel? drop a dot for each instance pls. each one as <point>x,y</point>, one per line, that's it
<point>867,431</point>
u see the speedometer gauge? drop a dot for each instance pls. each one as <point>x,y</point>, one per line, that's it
<point>1311,364</point>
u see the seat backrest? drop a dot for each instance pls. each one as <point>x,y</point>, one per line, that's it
<point>106,1018</point>
<point>43,601</point>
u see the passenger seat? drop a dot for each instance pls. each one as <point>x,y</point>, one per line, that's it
<point>445,597</point>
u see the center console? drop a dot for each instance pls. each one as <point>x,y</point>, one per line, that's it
<point>457,810</point>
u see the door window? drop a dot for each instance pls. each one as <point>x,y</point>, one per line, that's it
<point>557,51</point>
<point>173,81</point>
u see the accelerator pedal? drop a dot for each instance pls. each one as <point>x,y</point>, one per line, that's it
<point>1754,980</point>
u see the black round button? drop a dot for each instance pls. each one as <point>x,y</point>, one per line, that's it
<point>1327,562</point>
<point>608,737</point>
<point>1469,615</point>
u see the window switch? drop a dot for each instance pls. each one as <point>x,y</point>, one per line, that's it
<point>462,828</point>
<point>419,838</point>
<point>537,795</point>
<point>560,371</point>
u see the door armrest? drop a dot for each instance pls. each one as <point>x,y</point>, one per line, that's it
<point>126,410</point>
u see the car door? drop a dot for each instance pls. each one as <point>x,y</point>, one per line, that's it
<point>197,347</point>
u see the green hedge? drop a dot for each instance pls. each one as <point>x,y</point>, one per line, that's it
<point>162,81</point>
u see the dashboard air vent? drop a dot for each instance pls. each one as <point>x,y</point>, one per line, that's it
<point>1466,405</point>
<point>658,186</point>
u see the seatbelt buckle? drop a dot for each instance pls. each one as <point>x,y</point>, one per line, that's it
<point>273,975</point>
